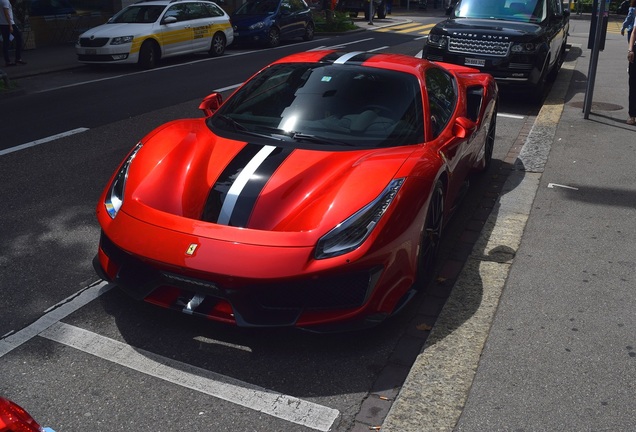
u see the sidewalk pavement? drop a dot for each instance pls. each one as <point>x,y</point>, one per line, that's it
<point>538,331</point>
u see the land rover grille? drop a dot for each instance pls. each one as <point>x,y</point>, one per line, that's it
<point>474,46</point>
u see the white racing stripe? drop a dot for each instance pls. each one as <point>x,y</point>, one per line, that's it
<point>278,405</point>
<point>42,141</point>
<point>240,182</point>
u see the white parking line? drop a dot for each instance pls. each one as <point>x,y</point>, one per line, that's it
<point>42,141</point>
<point>241,393</point>
<point>512,116</point>
<point>52,315</point>
<point>278,405</point>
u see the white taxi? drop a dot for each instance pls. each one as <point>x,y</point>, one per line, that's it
<point>149,30</point>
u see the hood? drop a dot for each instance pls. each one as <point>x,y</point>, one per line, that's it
<point>116,30</point>
<point>243,21</point>
<point>498,28</point>
<point>186,171</point>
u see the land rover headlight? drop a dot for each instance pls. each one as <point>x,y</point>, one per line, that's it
<point>520,48</point>
<point>351,233</point>
<point>438,41</point>
<point>115,195</point>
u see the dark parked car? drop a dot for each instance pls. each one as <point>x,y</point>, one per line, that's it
<point>269,21</point>
<point>354,7</point>
<point>520,43</point>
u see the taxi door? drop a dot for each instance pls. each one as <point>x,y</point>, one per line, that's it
<point>176,37</point>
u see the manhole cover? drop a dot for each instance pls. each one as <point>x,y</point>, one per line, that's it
<point>599,106</point>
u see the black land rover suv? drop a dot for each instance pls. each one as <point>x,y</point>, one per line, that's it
<point>519,42</point>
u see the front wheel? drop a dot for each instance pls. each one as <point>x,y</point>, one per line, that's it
<point>273,37</point>
<point>309,32</point>
<point>431,236</point>
<point>148,55</point>
<point>217,47</point>
<point>489,145</point>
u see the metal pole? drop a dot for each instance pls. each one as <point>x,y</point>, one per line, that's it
<point>370,12</point>
<point>589,92</point>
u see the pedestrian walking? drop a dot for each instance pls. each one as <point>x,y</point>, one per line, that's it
<point>10,33</point>
<point>631,70</point>
<point>628,24</point>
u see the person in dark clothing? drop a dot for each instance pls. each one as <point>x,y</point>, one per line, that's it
<point>10,33</point>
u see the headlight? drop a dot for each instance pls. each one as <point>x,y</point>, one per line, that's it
<point>115,195</point>
<point>524,47</point>
<point>350,234</point>
<point>438,41</point>
<point>259,25</point>
<point>121,40</point>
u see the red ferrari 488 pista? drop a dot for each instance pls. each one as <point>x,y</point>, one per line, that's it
<point>314,196</point>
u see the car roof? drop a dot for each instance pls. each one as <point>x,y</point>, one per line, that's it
<point>167,2</point>
<point>397,62</point>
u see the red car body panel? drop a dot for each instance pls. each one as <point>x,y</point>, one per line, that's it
<point>159,248</point>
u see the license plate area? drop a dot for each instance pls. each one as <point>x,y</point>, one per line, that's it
<point>474,62</point>
<point>91,51</point>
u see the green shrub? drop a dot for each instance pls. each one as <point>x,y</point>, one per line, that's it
<point>340,22</point>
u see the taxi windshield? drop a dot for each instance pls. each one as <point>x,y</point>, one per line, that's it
<point>138,14</point>
<point>531,11</point>
<point>347,105</point>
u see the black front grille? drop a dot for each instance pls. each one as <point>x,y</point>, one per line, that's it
<point>474,46</point>
<point>342,292</point>
<point>93,43</point>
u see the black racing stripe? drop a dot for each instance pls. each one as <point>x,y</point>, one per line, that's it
<point>219,190</point>
<point>252,190</point>
<point>331,57</point>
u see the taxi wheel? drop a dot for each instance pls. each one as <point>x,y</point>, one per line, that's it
<point>217,48</point>
<point>148,55</point>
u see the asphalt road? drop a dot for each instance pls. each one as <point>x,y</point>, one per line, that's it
<point>114,364</point>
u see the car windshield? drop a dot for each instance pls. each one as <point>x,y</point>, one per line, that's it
<point>138,14</point>
<point>257,7</point>
<point>531,11</point>
<point>347,105</point>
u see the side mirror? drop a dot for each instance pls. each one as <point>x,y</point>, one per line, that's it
<point>463,127</point>
<point>211,103</point>
<point>170,20</point>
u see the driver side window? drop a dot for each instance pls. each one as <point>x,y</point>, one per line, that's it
<point>442,97</point>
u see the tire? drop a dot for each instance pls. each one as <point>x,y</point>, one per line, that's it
<point>309,32</point>
<point>381,11</point>
<point>366,12</point>
<point>149,55</point>
<point>217,47</point>
<point>490,142</point>
<point>273,38</point>
<point>431,237</point>
<point>552,76</point>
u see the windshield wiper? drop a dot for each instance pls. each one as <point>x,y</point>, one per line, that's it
<point>238,127</point>
<point>299,136</point>
<point>318,139</point>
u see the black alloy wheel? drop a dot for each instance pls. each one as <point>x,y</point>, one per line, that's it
<point>489,146</point>
<point>273,37</point>
<point>431,237</point>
